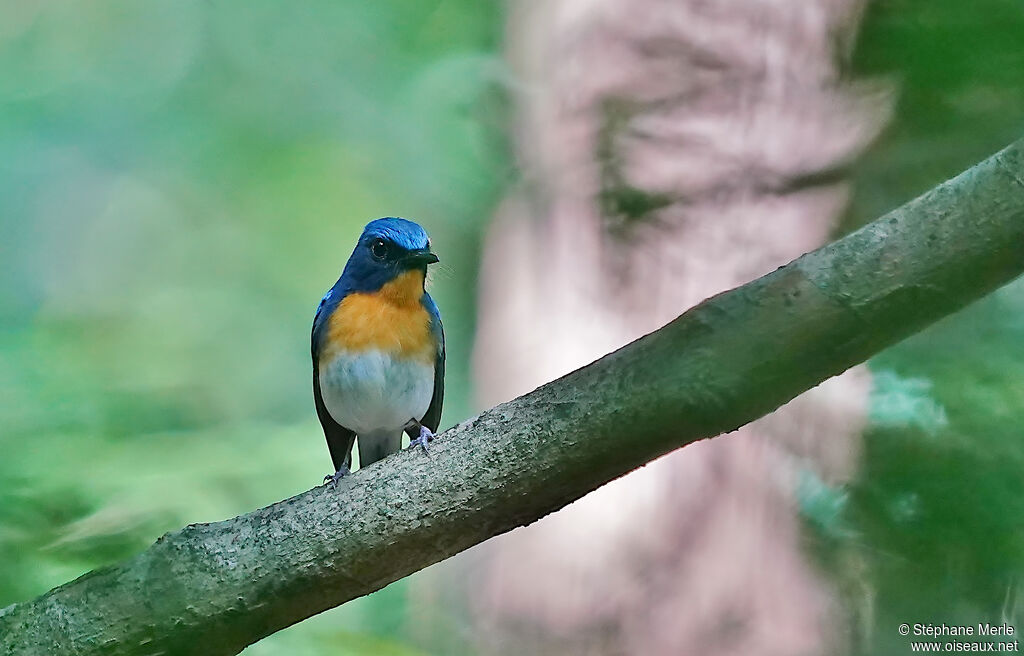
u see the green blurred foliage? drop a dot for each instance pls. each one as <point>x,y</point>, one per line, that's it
<point>180,182</point>
<point>938,511</point>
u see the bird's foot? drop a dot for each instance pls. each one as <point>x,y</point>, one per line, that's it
<point>332,479</point>
<point>424,437</point>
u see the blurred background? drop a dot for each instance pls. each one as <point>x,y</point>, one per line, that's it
<point>180,181</point>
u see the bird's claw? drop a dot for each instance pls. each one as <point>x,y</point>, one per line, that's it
<point>332,479</point>
<point>425,436</point>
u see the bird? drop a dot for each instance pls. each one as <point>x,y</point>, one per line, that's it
<point>378,348</point>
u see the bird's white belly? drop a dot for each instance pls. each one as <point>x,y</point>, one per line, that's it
<point>373,391</point>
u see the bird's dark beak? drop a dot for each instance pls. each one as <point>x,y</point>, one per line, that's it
<point>421,256</point>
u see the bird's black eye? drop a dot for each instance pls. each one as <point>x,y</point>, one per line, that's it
<point>379,248</point>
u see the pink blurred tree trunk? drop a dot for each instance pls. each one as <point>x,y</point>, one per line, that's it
<point>669,150</point>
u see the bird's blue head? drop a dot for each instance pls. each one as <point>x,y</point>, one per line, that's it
<point>387,248</point>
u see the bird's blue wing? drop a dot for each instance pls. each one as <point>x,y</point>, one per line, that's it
<point>323,313</point>
<point>432,419</point>
<point>339,438</point>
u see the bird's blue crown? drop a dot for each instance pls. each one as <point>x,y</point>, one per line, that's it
<point>401,232</point>
<point>387,248</point>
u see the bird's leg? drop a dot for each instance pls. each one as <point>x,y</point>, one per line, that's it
<point>418,434</point>
<point>332,479</point>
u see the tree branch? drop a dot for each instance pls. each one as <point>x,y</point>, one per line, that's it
<point>215,588</point>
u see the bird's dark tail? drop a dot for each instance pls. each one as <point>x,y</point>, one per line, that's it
<point>376,446</point>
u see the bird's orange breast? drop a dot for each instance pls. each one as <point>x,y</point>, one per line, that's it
<point>391,320</point>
